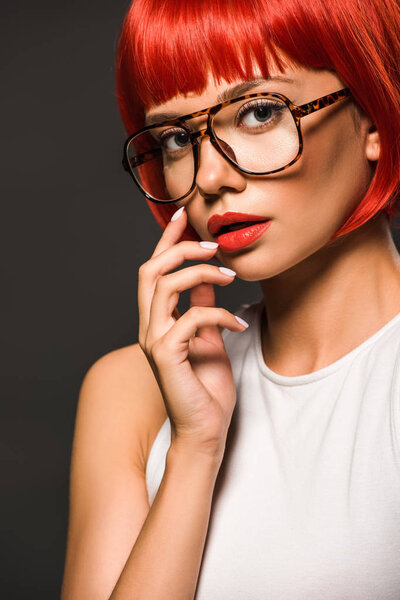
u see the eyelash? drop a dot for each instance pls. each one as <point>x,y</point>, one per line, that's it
<point>246,108</point>
<point>169,133</point>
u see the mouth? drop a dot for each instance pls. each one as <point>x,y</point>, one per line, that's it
<point>232,221</point>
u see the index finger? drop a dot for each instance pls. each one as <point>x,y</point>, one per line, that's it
<point>172,232</point>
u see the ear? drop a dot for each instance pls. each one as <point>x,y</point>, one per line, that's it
<point>372,147</point>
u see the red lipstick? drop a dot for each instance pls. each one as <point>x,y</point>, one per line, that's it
<point>234,230</point>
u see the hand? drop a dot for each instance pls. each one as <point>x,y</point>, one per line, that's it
<point>187,353</point>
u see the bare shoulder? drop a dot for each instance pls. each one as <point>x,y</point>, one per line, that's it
<point>120,407</point>
<point>121,395</point>
<point>120,410</point>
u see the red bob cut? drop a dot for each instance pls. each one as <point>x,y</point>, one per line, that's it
<point>168,47</point>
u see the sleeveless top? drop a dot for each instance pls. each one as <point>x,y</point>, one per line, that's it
<point>306,504</point>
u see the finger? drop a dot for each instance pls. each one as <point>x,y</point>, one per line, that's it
<point>174,256</point>
<point>168,288</point>
<point>174,345</point>
<point>204,295</point>
<point>176,314</point>
<point>162,264</point>
<point>173,231</point>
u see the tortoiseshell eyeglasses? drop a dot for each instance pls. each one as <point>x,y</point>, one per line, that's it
<point>257,133</point>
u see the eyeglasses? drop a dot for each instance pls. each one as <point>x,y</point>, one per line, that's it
<point>257,133</point>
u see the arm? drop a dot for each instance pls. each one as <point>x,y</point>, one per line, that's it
<point>107,539</point>
<point>166,558</point>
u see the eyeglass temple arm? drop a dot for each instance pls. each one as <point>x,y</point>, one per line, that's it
<point>310,107</point>
<point>140,159</point>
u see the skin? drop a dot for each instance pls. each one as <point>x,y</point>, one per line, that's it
<point>322,299</point>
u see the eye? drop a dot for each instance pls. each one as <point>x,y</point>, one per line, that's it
<point>258,113</point>
<point>173,140</point>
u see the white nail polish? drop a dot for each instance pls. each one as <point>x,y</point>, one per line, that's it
<point>209,244</point>
<point>226,271</point>
<point>241,321</point>
<point>177,214</point>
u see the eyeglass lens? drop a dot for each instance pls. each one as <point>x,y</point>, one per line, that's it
<point>259,135</point>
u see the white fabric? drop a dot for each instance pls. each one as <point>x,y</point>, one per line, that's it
<point>307,500</point>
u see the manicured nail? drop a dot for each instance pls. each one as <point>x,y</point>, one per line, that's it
<point>241,321</point>
<point>209,244</point>
<point>177,214</point>
<point>226,271</point>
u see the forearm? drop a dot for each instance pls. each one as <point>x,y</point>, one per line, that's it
<point>165,560</point>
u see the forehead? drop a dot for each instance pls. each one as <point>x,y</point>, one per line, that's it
<point>217,92</point>
<point>300,84</point>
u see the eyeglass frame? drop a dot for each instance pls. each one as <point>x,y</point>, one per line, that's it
<point>297,112</point>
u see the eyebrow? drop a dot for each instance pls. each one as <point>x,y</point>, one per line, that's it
<point>228,94</point>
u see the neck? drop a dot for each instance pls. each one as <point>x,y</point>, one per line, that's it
<point>325,306</point>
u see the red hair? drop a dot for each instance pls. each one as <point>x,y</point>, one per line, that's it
<point>168,47</point>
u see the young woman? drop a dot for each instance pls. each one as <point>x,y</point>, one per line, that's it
<point>215,460</point>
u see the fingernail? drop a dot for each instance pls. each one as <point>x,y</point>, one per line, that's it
<point>209,244</point>
<point>177,214</point>
<point>241,321</point>
<point>226,271</point>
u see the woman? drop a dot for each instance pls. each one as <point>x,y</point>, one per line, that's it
<point>216,459</point>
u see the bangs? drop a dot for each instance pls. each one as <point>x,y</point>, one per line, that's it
<point>172,47</point>
<point>176,50</point>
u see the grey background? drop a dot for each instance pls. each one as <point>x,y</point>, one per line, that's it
<point>74,232</point>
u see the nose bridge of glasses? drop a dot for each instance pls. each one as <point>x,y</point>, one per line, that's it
<point>201,134</point>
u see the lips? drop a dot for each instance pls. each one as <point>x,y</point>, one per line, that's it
<point>216,222</point>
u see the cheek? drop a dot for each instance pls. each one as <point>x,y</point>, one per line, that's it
<point>331,179</point>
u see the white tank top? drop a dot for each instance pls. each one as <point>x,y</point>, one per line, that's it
<point>307,500</point>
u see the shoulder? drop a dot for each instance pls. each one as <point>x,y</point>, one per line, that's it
<point>120,410</point>
<point>119,396</point>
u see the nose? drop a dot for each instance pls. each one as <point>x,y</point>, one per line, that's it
<point>215,173</point>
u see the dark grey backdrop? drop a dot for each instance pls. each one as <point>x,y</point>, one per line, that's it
<point>74,232</point>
